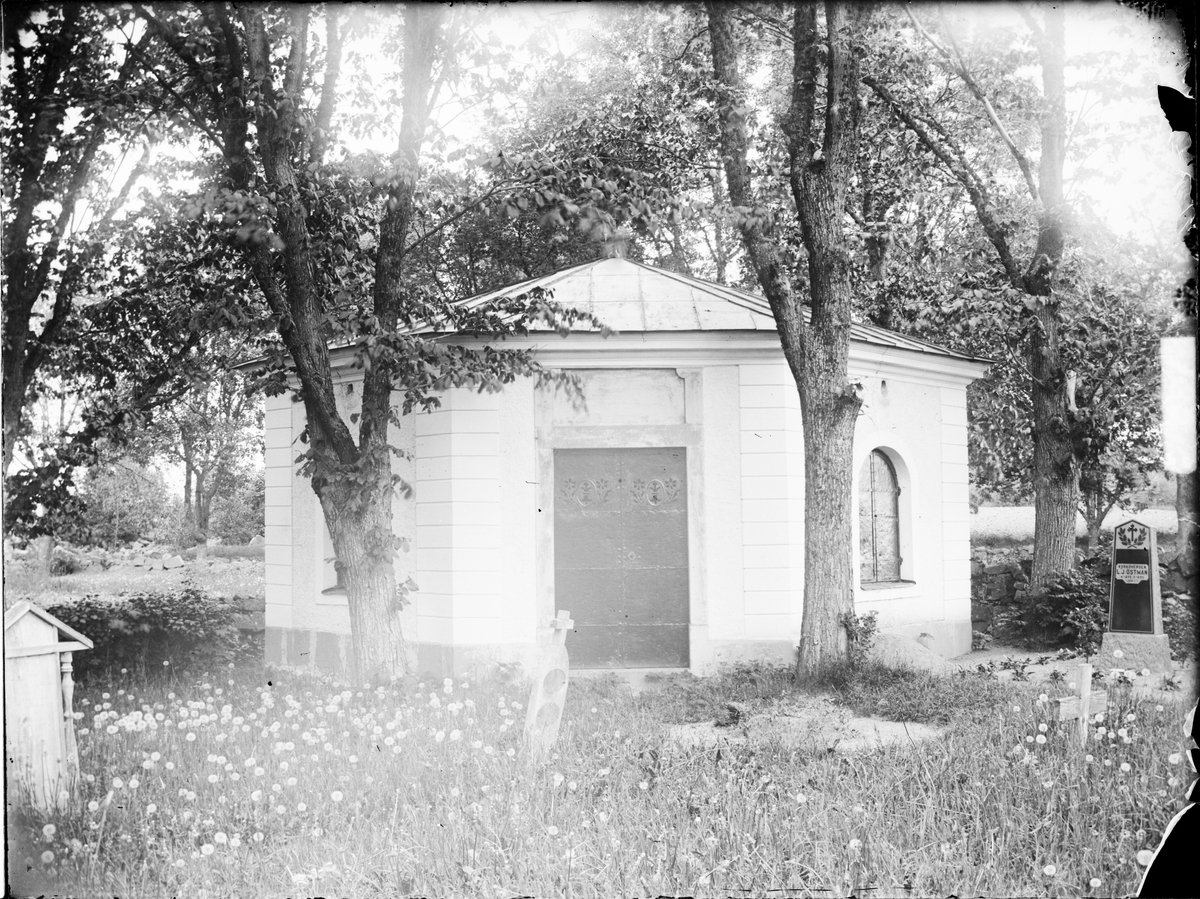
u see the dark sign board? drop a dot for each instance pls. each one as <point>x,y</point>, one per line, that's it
<point>1135,605</point>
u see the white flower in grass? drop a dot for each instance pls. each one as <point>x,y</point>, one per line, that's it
<point>1175,758</point>
<point>208,849</point>
<point>1094,883</point>
<point>151,809</point>
<point>644,785</point>
<point>220,837</point>
<point>1049,870</point>
<point>213,778</point>
<point>1042,697</point>
<point>1016,708</point>
<point>47,857</point>
<point>1041,739</point>
<point>256,796</point>
<point>1144,857</point>
<point>301,807</point>
<point>455,735</point>
<point>1158,708</point>
<point>1125,768</point>
<point>337,796</point>
<point>439,736</point>
<point>93,806</point>
<point>117,783</point>
<point>572,786</point>
<point>1118,654</point>
<point>552,830</point>
<point>854,845</point>
<point>558,779</point>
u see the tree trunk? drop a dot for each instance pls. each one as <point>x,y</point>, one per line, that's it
<point>44,553</point>
<point>1055,467</point>
<point>1185,514</point>
<point>1055,470</point>
<point>203,503</point>
<point>364,554</point>
<point>828,539</point>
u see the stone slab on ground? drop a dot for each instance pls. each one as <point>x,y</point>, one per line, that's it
<point>173,562</point>
<point>816,724</point>
<point>1138,651</point>
<point>909,653</point>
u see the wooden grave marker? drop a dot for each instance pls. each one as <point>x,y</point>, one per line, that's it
<point>1081,706</point>
<point>549,692</point>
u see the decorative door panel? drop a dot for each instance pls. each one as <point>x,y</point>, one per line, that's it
<point>620,555</point>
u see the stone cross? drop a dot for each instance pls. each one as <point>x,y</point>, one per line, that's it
<point>549,692</point>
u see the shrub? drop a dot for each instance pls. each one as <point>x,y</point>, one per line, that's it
<point>144,630</point>
<point>1070,611</point>
<point>860,636</point>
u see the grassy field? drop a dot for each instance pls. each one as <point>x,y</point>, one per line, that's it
<point>1013,525</point>
<point>246,782</point>
<point>228,571</point>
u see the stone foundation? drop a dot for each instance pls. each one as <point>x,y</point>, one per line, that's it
<point>1138,651</point>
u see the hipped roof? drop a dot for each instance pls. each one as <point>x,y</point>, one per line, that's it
<point>629,297</point>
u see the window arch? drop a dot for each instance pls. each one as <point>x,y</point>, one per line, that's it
<point>879,520</point>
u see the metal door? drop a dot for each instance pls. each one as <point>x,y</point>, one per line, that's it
<point>621,555</point>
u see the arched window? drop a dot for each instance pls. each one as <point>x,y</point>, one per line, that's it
<point>879,520</point>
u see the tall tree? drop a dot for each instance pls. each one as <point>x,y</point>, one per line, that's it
<point>74,112</point>
<point>1032,281</point>
<point>331,247</point>
<point>820,132</point>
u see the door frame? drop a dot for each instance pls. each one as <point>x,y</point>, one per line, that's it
<point>548,437</point>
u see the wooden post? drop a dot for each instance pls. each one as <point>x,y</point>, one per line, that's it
<point>70,747</point>
<point>549,693</point>
<point>1080,705</point>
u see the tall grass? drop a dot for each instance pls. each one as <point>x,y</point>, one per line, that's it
<point>247,783</point>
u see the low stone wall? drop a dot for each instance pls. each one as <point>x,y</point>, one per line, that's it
<point>998,574</point>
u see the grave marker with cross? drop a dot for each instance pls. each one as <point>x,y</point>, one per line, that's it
<point>549,692</point>
<point>1079,707</point>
